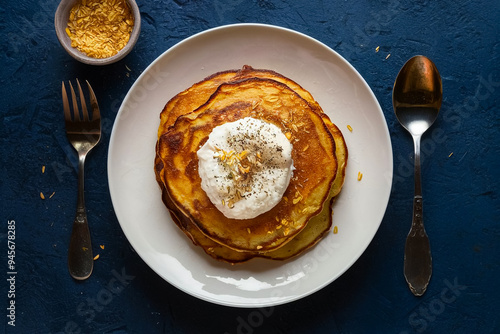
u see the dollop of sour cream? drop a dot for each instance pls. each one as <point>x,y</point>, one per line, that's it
<point>245,167</point>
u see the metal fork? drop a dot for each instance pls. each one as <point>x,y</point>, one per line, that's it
<point>83,133</point>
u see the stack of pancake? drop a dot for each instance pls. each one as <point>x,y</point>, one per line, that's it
<point>303,216</point>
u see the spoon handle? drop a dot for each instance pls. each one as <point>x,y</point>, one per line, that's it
<point>417,260</point>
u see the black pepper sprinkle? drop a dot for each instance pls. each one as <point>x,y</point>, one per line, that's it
<point>255,142</point>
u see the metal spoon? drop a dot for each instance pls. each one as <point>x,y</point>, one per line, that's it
<point>416,98</point>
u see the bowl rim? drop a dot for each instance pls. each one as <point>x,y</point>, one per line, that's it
<point>61,18</point>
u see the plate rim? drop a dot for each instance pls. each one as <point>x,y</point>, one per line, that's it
<point>158,59</point>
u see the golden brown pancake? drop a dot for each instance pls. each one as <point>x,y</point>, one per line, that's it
<point>319,225</point>
<point>313,155</point>
<point>315,230</point>
<point>188,103</point>
<point>196,95</point>
<point>190,99</point>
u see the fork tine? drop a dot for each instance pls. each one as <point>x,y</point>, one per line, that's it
<point>67,111</point>
<point>85,113</point>
<point>96,114</point>
<point>76,113</point>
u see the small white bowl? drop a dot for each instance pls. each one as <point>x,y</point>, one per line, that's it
<point>61,22</point>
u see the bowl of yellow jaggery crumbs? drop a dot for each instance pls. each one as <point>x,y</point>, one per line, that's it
<point>98,32</point>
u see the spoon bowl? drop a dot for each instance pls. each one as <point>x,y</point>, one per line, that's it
<point>417,94</point>
<point>417,97</point>
<point>418,85</point>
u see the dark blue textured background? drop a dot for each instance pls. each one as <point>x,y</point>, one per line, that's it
<point>461,163</point>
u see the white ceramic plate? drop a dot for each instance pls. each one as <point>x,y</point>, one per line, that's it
<point>344,96</point>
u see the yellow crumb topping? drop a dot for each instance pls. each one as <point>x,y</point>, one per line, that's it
<point>100,28</point>
<point>241,165</point>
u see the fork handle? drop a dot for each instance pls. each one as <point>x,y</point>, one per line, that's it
<point>80,257</point>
